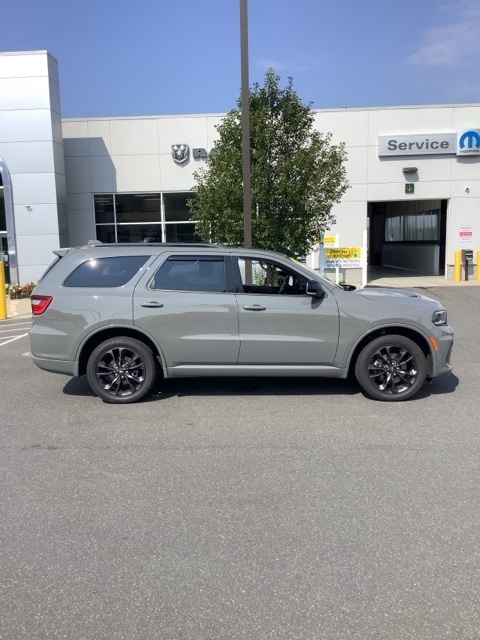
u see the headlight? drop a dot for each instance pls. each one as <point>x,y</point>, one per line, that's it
<point>439,317</point>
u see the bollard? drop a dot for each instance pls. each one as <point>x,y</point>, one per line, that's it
<point>458,266</point>
<point>3,294</point>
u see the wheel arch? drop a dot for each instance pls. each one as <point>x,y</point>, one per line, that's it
<point>114,332</point>
<point>414,335</point>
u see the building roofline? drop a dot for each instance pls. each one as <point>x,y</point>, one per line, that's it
<point>222,115</point>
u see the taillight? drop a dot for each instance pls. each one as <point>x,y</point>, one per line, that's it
<point>40,304</point>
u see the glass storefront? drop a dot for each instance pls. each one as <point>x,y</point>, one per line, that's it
<point>144,217</point>
<point>3,232</point>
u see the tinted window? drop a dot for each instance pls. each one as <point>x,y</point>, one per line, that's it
<point>105,272</point>
<point>191,273</point>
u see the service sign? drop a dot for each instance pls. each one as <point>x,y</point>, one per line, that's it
<point>417,145</point>
<point>465,142</point>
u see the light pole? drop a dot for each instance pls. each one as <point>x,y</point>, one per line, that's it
<point>247,196</point>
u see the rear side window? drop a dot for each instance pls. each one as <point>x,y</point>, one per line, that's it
<point>113,271</point>
<point>191,273</point>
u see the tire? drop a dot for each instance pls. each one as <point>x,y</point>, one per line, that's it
<point>391,368</point>
<point>121,370</point>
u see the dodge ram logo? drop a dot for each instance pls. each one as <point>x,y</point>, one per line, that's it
<point>180,153</point>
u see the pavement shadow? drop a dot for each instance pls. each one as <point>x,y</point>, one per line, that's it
<point>262,386</point>
<point>439,386</point>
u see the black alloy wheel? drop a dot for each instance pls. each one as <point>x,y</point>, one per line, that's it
<point>121,370</point>
<point>391,368</point>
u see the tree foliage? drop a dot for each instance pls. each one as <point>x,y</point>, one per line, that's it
<point>297,175</point>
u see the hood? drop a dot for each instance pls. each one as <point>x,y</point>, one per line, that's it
<point>393,292</point>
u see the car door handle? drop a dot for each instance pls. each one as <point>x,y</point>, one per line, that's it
<point>254,307</point>
<point>153,304</point>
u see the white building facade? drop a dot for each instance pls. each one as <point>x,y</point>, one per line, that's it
<point>414,175</point>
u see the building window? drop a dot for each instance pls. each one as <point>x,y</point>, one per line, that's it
<point>144,217</point>
<point>3,220</point>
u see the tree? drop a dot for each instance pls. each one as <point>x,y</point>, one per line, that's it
<point>297,175</point>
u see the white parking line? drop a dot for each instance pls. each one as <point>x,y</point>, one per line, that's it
<point>9,326</point>
<point>23,335</point>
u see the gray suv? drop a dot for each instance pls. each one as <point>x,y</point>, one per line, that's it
<point>125,314</point>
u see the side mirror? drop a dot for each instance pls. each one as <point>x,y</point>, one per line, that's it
<point>348,287</point>
<point>314,289</point>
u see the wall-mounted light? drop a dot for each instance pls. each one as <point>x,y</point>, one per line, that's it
<point>28,207</point>
<point>467,189</point>
<point>409,169</point>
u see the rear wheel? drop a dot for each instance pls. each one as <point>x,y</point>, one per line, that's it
<point>391,368</point>
<point>121,370</point>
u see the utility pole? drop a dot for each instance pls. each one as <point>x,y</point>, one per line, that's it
<point>247,194</point>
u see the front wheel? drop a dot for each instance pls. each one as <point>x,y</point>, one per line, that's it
<point>121,370</point>
<point>391,368</point>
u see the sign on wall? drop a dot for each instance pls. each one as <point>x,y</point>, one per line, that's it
<point>468,142</point>
<point>415,145</point>
<point>465,233</point>
<point>464,142</point>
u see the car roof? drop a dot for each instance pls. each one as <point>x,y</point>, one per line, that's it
<point>182,246</point>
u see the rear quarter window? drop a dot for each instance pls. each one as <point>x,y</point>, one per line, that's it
<point>113,271</point>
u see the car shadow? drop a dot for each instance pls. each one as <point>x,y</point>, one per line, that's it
<point>262,386</point>
<point>439,386</point>
<point>231,386</point>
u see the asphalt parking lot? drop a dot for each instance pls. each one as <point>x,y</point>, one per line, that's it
<point>227,509</point>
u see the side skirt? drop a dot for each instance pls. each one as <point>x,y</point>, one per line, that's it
<point>232,371</point>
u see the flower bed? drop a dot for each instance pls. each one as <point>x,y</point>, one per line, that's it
<point>16,291</point>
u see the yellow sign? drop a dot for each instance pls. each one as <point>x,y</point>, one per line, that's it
<point>343,257</point>
<point>329,240</point>
<point>343,253</point>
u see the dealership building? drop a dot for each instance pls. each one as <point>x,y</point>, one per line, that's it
<point>414,175</point>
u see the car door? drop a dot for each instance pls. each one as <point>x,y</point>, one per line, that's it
<point>278,323</point>
<point>189,309</point>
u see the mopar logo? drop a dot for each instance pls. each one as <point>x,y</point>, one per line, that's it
<point>468,142</point>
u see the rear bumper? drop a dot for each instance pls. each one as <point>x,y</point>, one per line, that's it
<point>64,367</point>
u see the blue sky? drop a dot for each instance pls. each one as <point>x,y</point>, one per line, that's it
<point>153,57</point>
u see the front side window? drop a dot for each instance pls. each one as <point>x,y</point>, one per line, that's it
<point>113,271</point>
<point>192,273</point>
<point>264,277</point>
